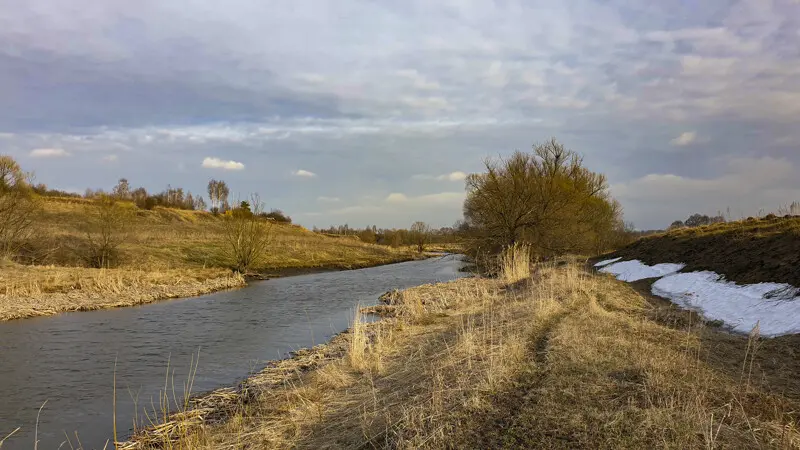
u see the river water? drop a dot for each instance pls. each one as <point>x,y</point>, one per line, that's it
<point>68,360</point>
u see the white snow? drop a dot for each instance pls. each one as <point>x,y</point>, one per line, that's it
<point>635,270</point>
<point>607,262</point>
<point>739,307</point>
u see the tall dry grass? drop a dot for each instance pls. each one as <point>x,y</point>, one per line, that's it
<point>568,360</point>
<point>29,291</point>
<point>515,263</point>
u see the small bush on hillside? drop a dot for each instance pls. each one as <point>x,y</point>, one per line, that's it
<point>277,215</point>
<point>105,230</point>
<point>247,234</point>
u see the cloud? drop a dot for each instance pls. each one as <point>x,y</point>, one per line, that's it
<point>304,173</point>
<point>324,199</point>
<point>452,176</point>
<point>455,176</point>
<point>437,86</point>
<point>48,153</point>
<point>745,186</point>
<point>427,199</point>
<point>684,139</point>
<point>216,163</point>
<point>110,158</point>
<point>396,197</point>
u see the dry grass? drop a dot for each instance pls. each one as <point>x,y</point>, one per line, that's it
<point>166,253</point>
<point>169,238</point>
<point>515,263</point>
<point>569,360</point>
<point>29,291</point>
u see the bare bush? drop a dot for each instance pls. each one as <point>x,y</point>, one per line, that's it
<point>247,234</point>
<point>105,229</point>
<point>18,208</point>
<point>546,198</point>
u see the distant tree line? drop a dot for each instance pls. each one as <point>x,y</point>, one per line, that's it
<point>171,197</point>
<point>696,220</point>
<point>419,234</point>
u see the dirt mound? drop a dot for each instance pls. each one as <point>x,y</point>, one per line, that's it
<point>749,251</point>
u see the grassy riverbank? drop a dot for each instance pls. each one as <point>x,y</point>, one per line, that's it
<point>746,251</point>
<point>165,253</point>
<point>563,359</point>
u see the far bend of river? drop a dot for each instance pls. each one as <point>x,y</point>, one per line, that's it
<point>68,359</point>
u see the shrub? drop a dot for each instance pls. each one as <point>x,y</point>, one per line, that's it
<point>276,215</point>
<point>246,234</point>
<point>105,231</point>
<point>547,199</point>
<point>18,208</point>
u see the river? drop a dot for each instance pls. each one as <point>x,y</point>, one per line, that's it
<point>68,360</point>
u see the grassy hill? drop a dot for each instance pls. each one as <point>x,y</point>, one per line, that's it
<point>749,251</point>
<point>164,253</point>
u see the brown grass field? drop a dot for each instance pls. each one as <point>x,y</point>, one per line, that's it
<point>165,253</point>
<point>563,358</point>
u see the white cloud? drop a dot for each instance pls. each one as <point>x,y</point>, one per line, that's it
<point>440,198</point>
<point>396,197</point>
<point>304,173</point>
<point>328,199</point>
<point>452,176</point>
<point>455,176</point>
<point>48,153</point>
<point>216,163</point>
<point>110,158</point>
<point>746,186</point>
<point>684,139</point>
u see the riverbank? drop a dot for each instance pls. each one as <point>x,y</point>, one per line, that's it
<point>163,253</point>
<point>34,291</point>
<point>562,359</point>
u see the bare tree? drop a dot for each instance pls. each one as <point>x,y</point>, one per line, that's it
<point>420,234</point>
<point>199,203</point>
<point>218,195</point>
<point>246,234</point>
<point>546,198</point>
<point>106,230</point>
<point>122,190</point>
<point>18,208</point>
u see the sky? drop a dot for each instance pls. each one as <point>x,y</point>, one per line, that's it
<point>373,112</point>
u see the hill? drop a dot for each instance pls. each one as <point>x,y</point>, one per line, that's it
<point>164,253</point>
<point>748,251</point>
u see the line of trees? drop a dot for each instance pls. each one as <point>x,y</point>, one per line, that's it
<point>419,234</point>
<point>245,228</point>
<point>696,220</point>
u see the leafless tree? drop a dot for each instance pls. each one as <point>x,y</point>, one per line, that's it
<point>18,207</point>
<point>546,198</point>
<point>218,195</point>
<point>122,190</point>
<point>420,234</point>
<point>105,229</point>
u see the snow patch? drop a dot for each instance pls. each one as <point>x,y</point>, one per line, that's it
<point>739,307</point>
<point>607,262</point>
<point>635,270</point>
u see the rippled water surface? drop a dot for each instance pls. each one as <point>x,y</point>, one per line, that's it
<point>68,360</point>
